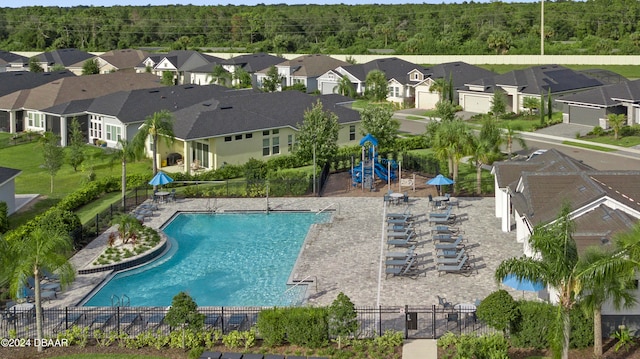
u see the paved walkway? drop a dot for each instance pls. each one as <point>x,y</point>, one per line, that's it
<point>347,254</point>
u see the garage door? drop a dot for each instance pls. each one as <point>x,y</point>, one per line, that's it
<point>426,100</point>
<point>475,103</point>
<point>584,116</point>
<point>327,88</point>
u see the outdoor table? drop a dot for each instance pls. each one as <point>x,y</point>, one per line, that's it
<point>468,308</point>
<point>396,196</point>
<point>440,198</point>
<point>21,307</point>
<point>162,195</point>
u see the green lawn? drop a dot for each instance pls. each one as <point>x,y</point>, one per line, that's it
<point>627,141</point>
<point>591,147</point>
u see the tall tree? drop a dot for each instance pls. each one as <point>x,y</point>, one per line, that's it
<point>549,105</point>
<point>344,87</point>
<point>598,285</point>
<point>220,76</point>
<point>160,124</point>
<point>498,103</point>
<point>379,122</point>
<point>555,265</point>
<point>616,121</point>
<point>43,249</point>
<point>273,81</point>
<point>530,103</point>
<point>125,152</point>
<point>319,129</point>
<point>34,65</point>
<point>376,88</point>
<point>76,145</point>
<point>91,67</point>
<point>511,134</point>
<point>439,86</point>
<point>452,141</point>
<point>53,154</point>
<point>242,79</point>
<point>168,78</point>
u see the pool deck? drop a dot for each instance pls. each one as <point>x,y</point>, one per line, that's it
<point>347,254</point>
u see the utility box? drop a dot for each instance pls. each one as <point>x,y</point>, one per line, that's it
<point>412,320</point>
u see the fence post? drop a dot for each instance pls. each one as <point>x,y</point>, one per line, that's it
<point>406,325</point>
<point>227,186</point>
<point>222,319</point>
<point>433,321</point>
<point>379,320</point>
<point>118,319</point>
<point>97,225</point>
<point>66,318</point>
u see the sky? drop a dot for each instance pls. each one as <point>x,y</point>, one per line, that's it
<point>70,3</point>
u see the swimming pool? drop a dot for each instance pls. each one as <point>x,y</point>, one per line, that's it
<point>239,259</point>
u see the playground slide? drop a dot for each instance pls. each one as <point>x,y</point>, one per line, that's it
<point>381,171</point>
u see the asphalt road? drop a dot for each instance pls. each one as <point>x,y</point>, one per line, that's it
<point>604,161</point>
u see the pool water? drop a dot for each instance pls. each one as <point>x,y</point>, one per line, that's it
<point>220,260</point>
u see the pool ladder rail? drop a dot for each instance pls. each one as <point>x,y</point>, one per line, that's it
<point>288,294</point>
<point>122,301</point>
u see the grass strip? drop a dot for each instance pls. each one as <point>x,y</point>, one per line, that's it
<point>591,147</point>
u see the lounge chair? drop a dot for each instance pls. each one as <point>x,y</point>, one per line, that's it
<point>399,262</point>
<point>401,255</point>
<point>211,321</point>
<point>449,245</point>
<point>408,240</point>
<point>451,260</point>
<point>401,234</point>
<point>450,219</point>
<point>154,321</point>
<point>236,321</point>
<point>397,222</point>
<point>128,320</point>
<point>407,270</point>
<point>101,321</point>
<point>69,320</point>
<point>399,227</point>
<point>210,355</point>
<point>462,267</point>
<point>448,252</point>
<point>446,237</point>
<point>444,302</point>
<point>440,214</point>
<point>442,229</point>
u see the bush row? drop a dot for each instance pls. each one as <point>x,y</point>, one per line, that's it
<point>304,326</point>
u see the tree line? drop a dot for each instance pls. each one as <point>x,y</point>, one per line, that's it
<point>590,27</point>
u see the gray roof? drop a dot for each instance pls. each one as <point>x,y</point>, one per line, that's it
<point>606,96</point>
<point>7,57</point>
<point>181,58</point>
<point>254,62</point>
<point>460,72</point>
<point>21,80</point>
<point>135,105</point>
<point>310,66</point>
<point>539,79</point>
<point>247,110</point>
<point>392,67</point>
<point>64,57</point>
<point>7,174</point>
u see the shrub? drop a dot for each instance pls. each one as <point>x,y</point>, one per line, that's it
<point>4,217</point>
<point>597,131</point>
<point>581,328</point>
<point>531,329</point>
<point>307,326</point>
<point>343,318</point>
<point>498,310</point>
<point>271,326</point>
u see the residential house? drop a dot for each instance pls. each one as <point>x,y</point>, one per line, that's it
<point>455,73</point>
<point>179,62</point>
<point>13,62</point>
<point>8,187</point>
<point>120,60</point>
<point>249,62</point>
<point>401,77</point>
<point>535,81</point>
<point>602,204</point>
<point>70,59</point>
<point>592,107</point>
<point>11,82</point>
<point>33,107</point>
<point>303,70</point>
<point>243,124</point>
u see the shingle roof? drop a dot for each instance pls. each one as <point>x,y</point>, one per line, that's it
<point>124,58</point>
<point>606,96</point>
<point>392,67</point>
<point>19,80</point>
<point>135,105</point>
<point>254,62</point>
<point>310,65</point>
<point>7,173</point>
<point>597,227</point>
<point>64,57</point>
<point>180,59</point>
<point>461,73</point>
<point>7,57</point>
<point>248,110</point>
<point>76,88</point>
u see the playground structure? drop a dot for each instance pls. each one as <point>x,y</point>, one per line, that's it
<point>364,173</point>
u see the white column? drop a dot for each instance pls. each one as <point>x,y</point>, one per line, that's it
<point>506,215</point>
<point>12,121</point>
<point>63,131</point>
<point>186,156</point>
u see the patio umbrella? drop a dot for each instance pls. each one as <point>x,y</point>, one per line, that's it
<point>160,179</point>
<point>440,180</point>
<point>524,285</point>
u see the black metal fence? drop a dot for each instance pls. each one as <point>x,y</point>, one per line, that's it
<point>415,322</point>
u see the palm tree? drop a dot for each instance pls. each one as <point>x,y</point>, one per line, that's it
<point>598,286</point>
<point>154,126</point>
<point>511,134</point>
<point>41,250</point>
<point>482,150</point>
<point>220,76</point>
<point>555,265</point>
<point>344,87</point>
<point>616,121</point>
<point>126,153</point>
<point>452,140</point>
<point>440,86</point>
<point>128,226</point>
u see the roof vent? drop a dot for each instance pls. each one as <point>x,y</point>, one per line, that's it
<point>154,91</point>
<point>207,104</point>
<point>604,241</point>
<point>188,87</point>
<point>226,107</point>
<point>582,188</point>
<point>606,217</point>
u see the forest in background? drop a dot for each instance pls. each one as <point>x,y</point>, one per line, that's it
<point>593,27</point>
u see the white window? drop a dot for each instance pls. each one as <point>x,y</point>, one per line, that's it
<point>276,145</point>
<point>290,142</point>
<point>416,76</point>
<point>201,153</point>
<point>35,119</point>
<point>113,132</point>
<point>265,147</point>
<point>95,126</point>
<point>394,91</point>
<point>352,132</point>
